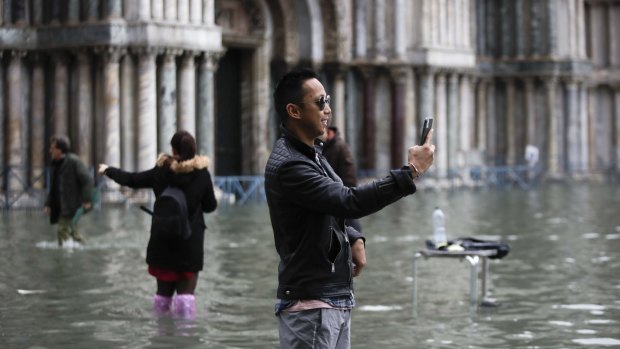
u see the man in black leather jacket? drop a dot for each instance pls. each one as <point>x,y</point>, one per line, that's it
<point>308,205</point>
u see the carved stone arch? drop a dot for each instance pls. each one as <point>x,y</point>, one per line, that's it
<point>285,36</point>
<point>244,23</point>
<point>336,30</point>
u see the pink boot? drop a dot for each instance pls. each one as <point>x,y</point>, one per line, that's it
<point>161,304</point>
<point>185,306</point>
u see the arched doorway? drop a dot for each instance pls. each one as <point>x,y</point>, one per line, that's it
<point>228,105</point>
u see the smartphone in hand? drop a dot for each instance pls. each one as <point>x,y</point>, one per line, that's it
<point>426,127</point>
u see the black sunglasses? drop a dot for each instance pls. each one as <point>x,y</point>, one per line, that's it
<point>321,102</point>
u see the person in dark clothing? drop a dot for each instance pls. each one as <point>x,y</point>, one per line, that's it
<point>308,205</point>
<point>175,263</point>
<point>339,156</point>
<point>70,188</point>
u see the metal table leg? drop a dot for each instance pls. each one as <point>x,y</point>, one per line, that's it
<point>473,277</point>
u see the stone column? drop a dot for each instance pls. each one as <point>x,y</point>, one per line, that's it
<point>397,145</point>
<point>552,28</point>
<point>616,116</point>
<point>411,112</point>
<point>208,12</point>
<point>426,23</point>
<point>111,107</point>
<point>91,9</point>
<point>380,42</point>
<point>147,114</point>
<point>167,100</point>
<point>37,12</point>
<point>16,124</point>
<point>128,114</point>
<point>441,126</point>
<point>511,128</point>
<point>183,11</point>
<point>572,33</point>
<point>338,108</point>
<point>583,131</point>
<point>491,124</point>
<point>573,140</point>
<point>590,117</point>
<point>442,23</point>
<point>537,28</point>
<point>336,73</point>
<point>195,11</point>
<point>506,29</point>
<point>466,114</point>
<point>3,130</point>
<point>554,138</point>
<point>205,123</point>
<point>481,30</point>
<point>144,9</point>
<point>157,9</point>
<point>481,96</point>
<point>113,8</point>
<point>368,119</point>
<point>520,28</point>
<point>400,38</point>
<point>19,12</point>
<point>426,94</point>
<point>60,112</point>
<point>453,122</point>
<point>170,10</point>
<point>187,93</point>
<point>73,11</point>
<point>581,31</point>
<point>360,29</point>
<point>530,111</point>
<point>613,13</point>
<point>85,114</point>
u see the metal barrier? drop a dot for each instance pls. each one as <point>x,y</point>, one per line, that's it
<point>18,189</point>
<point>522,176</point>
<point>240,190</point>
<point>19,192</point>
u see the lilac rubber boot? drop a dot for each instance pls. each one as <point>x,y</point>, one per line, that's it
<point>185,306</point>
<point>161,304</point>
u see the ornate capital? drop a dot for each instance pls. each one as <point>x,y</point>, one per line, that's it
<point>211,58</point>
<point>111,54</point>
<point>400,73</point>
<point>147,52</point>
<point>368,71</point>
<point>18,54</point>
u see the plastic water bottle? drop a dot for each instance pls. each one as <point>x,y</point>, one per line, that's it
<point>439,227</point>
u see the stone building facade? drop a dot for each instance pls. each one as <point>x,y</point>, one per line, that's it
<point>120,76</point>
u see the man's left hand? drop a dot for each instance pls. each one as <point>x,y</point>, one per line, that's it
<point>358,254</point>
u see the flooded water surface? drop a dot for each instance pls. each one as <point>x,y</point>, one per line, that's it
<point>559,287</point>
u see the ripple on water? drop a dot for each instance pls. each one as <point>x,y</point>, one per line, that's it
<point>598,341</point>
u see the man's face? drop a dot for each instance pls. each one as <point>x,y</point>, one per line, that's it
<point>313,119</point>
<point>55,152</point>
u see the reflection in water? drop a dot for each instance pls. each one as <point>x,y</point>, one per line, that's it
<point>558,287</point>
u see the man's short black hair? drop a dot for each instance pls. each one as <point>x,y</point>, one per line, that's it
<point>290,90</point>
<point>333,128</point>
<point>62,143</point>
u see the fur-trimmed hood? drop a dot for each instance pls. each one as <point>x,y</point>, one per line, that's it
<point>198,162</point>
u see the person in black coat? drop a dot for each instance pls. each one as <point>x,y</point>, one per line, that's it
<point>70,189</point>
<point>175,263</point>
<point>308,205</point>
<point>339,156</point>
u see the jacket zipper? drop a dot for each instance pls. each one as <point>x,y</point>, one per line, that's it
<point>333,263</point>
